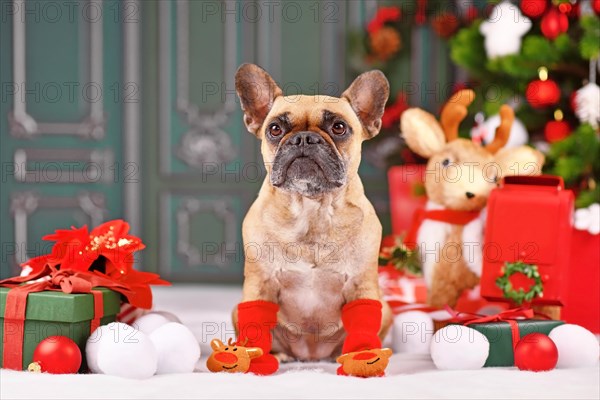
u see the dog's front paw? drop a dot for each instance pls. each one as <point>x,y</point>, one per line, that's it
<point>364,363</point>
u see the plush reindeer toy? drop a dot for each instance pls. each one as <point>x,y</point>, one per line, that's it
<point>459,177</point>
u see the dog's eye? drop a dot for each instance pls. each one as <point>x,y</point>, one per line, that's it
<point>339,128</point>
<point>446,162</point>
<point>274,130</point>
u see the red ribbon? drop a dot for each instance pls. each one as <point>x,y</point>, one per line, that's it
<point>53,279</point>
<point>454,217</point>
<point>508,316</point>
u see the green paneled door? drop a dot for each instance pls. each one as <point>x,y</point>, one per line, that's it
<point>62,120</point>
<point>202,168</point>
<point>127,109</point>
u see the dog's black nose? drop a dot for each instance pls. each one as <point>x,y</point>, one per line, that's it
<point>305,138</point>
<point>469,195</point>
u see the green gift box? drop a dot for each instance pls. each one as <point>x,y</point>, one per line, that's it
<point>499,334</point>
<point>51,313</point>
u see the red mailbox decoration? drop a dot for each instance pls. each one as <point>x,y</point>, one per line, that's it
<point>529,220</point>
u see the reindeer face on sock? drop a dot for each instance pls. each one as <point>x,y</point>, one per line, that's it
<point>365,363</point>
<point>231,357</point>
<point>460,174</point>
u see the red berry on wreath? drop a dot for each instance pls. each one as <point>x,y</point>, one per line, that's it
<point>536,352</point>
<point>533,8</point>
<point>56,355</point>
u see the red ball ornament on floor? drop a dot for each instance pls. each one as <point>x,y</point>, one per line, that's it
<point>554,23</point>
<point>542,93</point>
<point>533,8</point>
<point>57,355</point>
<point>556,130</point>
<point>536,352</point>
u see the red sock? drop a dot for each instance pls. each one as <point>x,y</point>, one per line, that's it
<point>256,319</point>
<point>362,321</point>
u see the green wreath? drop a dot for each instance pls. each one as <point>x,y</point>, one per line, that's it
<point>519,296</point>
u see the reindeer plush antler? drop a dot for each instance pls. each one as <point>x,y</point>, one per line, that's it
<point>460,176</point>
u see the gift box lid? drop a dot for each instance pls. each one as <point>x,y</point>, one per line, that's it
<point>62,307</point>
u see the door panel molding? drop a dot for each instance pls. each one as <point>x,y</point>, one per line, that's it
<point>24,203</point>
<point>24,125</point>
<point>83,165</point>
<point>206,140</point>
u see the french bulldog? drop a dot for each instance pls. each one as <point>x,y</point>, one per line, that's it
<point>311,237</point>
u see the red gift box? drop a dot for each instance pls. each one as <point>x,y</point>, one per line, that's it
<point>407,195</point>
<point>529,219</point>
<point>582,305</point>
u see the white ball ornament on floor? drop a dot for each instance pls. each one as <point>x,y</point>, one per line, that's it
<point>176,347</point>
<point>503,30</point>
<point>121,350</point>
<point>150,322</point>
<point>412,332</point>
<point>92,345</point>
<point>577,347</point>
<point>459,347</point>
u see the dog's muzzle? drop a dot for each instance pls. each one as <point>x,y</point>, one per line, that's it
<point>307,158</point>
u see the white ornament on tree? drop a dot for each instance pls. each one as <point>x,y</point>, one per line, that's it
<point>587,104</point>
<point>503,30</point>
<point>485,130</point>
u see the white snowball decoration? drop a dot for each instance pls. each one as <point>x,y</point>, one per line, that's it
<point>150,322</point>
<point>92,345</point>
<point>486,131</point>
<point>577,347</point>
<point>412,332</point>
<point>503,30</point>
<point>176,347</point>
<point>588,219</point>
<point>121,350</point>
<point>459,347</point>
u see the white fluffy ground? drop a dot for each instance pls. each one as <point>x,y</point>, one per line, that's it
<point>206,311</point>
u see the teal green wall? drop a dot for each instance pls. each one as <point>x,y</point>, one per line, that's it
<point>191,201</point>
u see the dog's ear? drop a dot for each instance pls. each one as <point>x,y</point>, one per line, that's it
<point>367,96</point>
<point>257,92</point>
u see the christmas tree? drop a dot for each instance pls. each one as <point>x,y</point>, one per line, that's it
<point>538,56</point>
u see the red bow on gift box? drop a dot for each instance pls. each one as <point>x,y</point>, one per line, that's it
<point>108,251</point>
<point>509,316</point>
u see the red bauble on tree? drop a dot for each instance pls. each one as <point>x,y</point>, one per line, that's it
<point>558,129</point>
<point>542,92</point>
<point>554,23</point>
<point>555,131</point>
<point>596,6</point>
<point>56,355</point>
<point>536,352</point>
<point>533,8</point>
